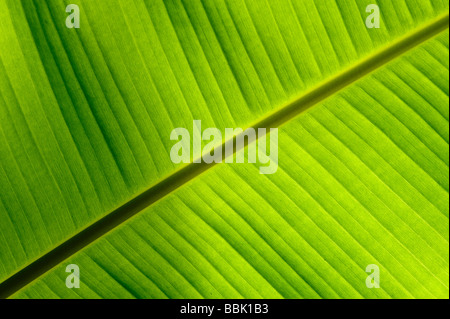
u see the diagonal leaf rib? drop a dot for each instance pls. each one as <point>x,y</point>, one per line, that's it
<point>169,184</point>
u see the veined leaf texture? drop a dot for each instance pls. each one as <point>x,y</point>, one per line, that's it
<point>87,179</point>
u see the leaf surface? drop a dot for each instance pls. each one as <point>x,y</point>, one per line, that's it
<point>86,118</point>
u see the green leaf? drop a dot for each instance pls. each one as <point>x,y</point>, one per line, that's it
<point>86,116</point>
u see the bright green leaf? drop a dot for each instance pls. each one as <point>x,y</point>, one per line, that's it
<point>86,116</point>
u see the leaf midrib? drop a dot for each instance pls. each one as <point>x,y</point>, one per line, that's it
<point>166,186</point>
